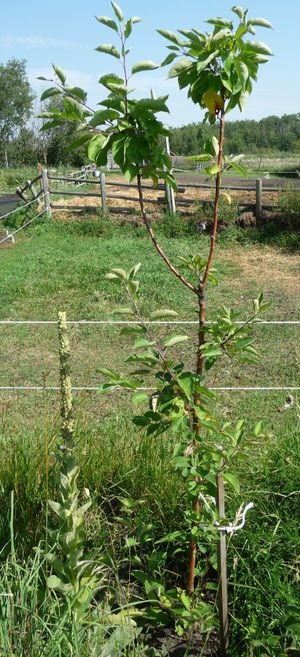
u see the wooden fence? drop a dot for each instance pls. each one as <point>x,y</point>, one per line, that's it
<point>46,183</point>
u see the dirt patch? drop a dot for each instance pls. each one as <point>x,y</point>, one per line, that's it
<point>268,266</point>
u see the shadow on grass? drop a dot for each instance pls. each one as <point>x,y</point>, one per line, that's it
<point>279,233</point>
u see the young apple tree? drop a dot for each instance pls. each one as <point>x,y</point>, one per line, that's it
<point>218,69</point>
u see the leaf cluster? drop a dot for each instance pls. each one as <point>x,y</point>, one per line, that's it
<point>217,68</point>
<point>127,127</point>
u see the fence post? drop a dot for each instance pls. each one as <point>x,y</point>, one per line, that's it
<point>170,196</point>
<point>222,572</point>
<point>258,200</point>
<point>103,191</point>
<point>45,187</point>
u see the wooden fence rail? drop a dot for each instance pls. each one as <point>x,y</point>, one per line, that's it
<point>103,187</point>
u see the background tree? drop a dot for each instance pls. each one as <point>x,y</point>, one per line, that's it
<point>57,140</point>
<point>16,99</point>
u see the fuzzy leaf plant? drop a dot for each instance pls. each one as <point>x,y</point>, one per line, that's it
<point>74,576</point>
<point>217,68</point>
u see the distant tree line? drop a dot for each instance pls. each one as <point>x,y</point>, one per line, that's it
<point>22,142</point>
<point>270,134</point>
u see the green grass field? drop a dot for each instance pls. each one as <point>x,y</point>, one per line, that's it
<point>61,266</point>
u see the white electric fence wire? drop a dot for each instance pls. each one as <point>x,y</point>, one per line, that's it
<point>11,236</point>
<point>22,206</point>
<point>95,322</point>
<point>96,388</point>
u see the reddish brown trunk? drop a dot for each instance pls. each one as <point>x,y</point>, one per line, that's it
<point>217,199</point>
<point>192,559</point>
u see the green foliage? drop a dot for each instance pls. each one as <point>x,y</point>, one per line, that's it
<point>16,100</point>
<point>218,67</point>
<point>127,127</point>
<point>33,623</point>
<point>272,133</point>
<point>290,205</point>
<point>181,402</point>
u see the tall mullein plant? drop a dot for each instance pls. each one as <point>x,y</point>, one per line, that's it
<point>74,578</point>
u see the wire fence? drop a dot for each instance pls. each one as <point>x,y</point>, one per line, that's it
<point>10,236</point>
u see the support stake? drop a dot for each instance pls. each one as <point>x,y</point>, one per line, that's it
<point>222,572</point>
<point>170,196</point>
<point>258,202</point>
<point>46,192</point>
<point>103,192</point>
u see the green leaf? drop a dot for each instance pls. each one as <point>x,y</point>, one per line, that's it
<point>171,36</point>
<point>169,59</point>
<point>60,74</point>
<point>48,93</point>
<point>52,124</point>
<point>95,146</point>
<point>73,109</point>
<point>232,481</point>
<point>109,22</point>
<point>132,330</point>
<point>242,71</point>
<point>204,157</point>
<point>134,270</point>
<point>242,29</point>
<point>111,277</point>
<point>258,47</point>
<point>203,63</point>
<point>152,104</point>
<point>212,171</point>
<point>54,582</point>
<point>243,101</point>
<point>144,66</point>
<point>136,19</point>
<point>180,66</point>
<point>117,10</point>
<point>223,22</point>
<point>109,49</point>
<point>77,91</point>
<point>261,22</point>
<point>258,428</point>
<point>120,273</point>
<point>142,342</point>
<point>79,142</point>
<point>215,145</point>
<point>175,339</point>
<point>162,314</point>
<point>239,169</point>
<point>210,350</point>
<point>128,28</point>
<point>102,116</point>
<point>109,79</point>
<point>239,11</point>
<point>140,397</point>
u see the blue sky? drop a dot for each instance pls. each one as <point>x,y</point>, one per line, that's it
<point>65,32</point>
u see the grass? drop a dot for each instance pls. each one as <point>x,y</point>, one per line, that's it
<point>61,266</point>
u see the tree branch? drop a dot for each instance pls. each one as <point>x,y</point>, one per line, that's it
<point>217,199</point>
<point>157,245</point>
